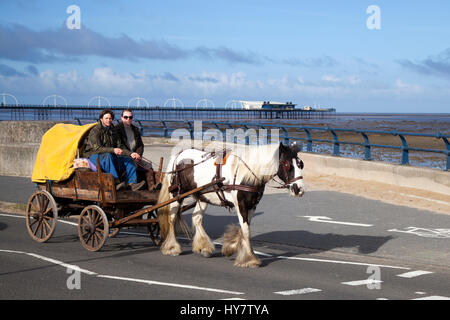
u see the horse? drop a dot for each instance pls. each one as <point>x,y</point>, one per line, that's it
<point>246,171</point>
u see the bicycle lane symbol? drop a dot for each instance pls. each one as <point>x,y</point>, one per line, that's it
<point>426,233</point>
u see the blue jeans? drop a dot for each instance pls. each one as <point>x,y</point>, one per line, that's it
<point>115,165</point>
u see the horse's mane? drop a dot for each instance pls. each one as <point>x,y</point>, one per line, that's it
<point>262,160</point>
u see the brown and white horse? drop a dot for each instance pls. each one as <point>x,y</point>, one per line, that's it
<point>246,171</point>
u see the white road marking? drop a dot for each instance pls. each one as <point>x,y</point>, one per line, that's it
<point>426,233</point>
<point>11,215</point>
<point>260,253</point>
<point>328,220</point>
<point>297,291</point>
<point>54,261</point>
<point>68,222</point>
<point>169,284</point>
<point>413,274</point>
<point>343,262</point>
<point>433,298</point>
<point>362,282</point>
<point>423,198</point>
<point>91,273</point>
<point>23,217</point>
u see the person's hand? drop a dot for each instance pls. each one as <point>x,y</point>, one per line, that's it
<point>118,151</point>
<point>136,156</point>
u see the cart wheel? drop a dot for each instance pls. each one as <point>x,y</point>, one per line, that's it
<point>153,230</point>
<point>41,215</point>
<point>93,228</point>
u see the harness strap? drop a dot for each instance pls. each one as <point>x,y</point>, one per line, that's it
<point>241,187</point>
<point>219,187</point>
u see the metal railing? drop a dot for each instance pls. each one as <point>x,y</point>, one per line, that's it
<point>291,133</point>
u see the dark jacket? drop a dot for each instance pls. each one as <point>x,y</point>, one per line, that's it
<point>103,140</point>
<point>120,130</point>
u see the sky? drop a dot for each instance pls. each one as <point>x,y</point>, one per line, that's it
<point>352,55</point>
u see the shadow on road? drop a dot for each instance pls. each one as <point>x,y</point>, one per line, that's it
<point>361,244</point>
<point>320,242</point>
<point>325,242</point>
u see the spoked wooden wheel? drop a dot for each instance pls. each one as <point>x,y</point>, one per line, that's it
<point>93,228</point>
<point>154,230</point>
<point>41,215</point>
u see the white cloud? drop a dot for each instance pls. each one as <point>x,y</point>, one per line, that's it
<point>219,87</point>
<point>402,86</point>
<point>331,78</point>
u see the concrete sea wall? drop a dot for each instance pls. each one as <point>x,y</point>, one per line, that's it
<point>19,143</point>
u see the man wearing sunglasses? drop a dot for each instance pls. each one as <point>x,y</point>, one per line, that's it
<point>131,137</point>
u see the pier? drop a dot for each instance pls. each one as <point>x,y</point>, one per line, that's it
<point>35,112</point>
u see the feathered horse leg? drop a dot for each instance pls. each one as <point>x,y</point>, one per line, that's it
<point>170,245</point>
<point>167,216</point>
<point>201,244</point>
<point>237,240</point>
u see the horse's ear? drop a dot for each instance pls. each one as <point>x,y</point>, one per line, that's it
<point>282,148</point>
<point>296,147</point>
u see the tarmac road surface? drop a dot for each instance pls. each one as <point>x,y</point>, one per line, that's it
<point>326,245</point>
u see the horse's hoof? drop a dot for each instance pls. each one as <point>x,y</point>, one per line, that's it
<point>171,252</point>
<point>248,265</point>
<point>254,263</point>
<point>206,254</point>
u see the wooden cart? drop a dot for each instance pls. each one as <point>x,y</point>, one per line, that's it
<point>102,210</point>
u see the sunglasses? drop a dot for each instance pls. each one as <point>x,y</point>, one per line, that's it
<point>128,117</point>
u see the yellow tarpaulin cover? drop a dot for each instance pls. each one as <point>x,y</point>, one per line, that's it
<point>57,151</point>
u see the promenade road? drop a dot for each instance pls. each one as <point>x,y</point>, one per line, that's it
<point>325,231</point>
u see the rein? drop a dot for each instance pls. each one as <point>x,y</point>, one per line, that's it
<point>285,184</point>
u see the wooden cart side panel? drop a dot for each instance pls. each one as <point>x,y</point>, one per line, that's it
<point>83,185</point>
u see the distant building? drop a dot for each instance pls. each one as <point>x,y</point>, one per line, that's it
<point>272,105</point>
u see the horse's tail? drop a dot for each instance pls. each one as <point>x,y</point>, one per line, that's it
<point>164,212</point>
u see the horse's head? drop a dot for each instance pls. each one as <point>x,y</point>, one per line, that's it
<point>290,169</point>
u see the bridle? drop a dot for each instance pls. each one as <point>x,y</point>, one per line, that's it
<point>286,167</point>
